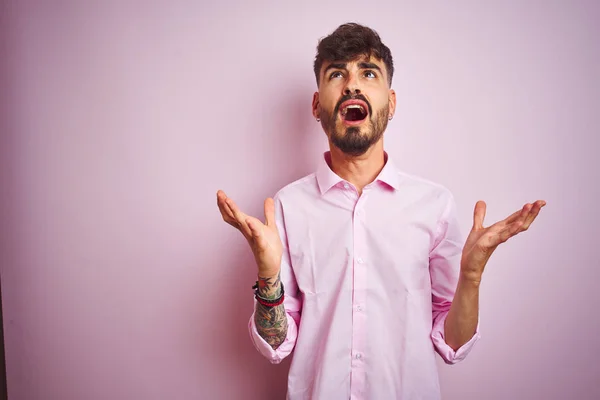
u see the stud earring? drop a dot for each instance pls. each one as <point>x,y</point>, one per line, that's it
<point>318,120</point>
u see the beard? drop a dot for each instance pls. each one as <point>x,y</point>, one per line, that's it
<point>355,140</point>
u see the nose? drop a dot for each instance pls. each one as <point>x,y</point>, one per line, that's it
<point>352,87</point>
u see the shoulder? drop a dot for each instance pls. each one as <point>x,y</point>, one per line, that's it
<point>424,186</point>
<point>305,186</point>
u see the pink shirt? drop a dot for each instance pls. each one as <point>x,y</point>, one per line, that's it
<point>368,284</point>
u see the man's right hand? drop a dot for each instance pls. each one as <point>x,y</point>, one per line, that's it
<point>264,238</point>
<point>271,322</point>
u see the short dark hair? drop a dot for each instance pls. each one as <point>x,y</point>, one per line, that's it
<point>349,42</point>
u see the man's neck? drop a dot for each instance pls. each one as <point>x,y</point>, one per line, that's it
<point>358,170</point>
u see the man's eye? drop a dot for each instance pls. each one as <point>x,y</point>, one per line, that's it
<point>370,74</point>
<point>336,74</point>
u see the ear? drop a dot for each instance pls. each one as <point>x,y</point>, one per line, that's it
<point>392,102</point>
<point>315,106</point>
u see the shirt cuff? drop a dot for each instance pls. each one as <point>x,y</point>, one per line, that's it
<point>448,354</point>
<point>264,348</point>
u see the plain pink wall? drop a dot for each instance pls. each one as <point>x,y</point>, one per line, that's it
<point>120,121</point>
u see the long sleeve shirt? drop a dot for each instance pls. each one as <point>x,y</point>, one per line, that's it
<point>369,280</point>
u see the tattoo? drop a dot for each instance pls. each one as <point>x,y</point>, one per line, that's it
<point>271,322</point>
<point>269,289</point>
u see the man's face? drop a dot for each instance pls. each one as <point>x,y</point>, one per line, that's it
<point>354,103</point>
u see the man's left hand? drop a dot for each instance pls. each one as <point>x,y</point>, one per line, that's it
<point>482,242</point>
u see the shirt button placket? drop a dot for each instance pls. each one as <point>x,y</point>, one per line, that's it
<point>359,322</point>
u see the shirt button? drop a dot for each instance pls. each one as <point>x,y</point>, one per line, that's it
<point>358,308</point>
<point>358,356</point>
<point>360,260</point>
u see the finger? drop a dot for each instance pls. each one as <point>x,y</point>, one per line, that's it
<point>479,215</point>
<point>537,206</point>
<point>229,209</point>
<point>257,229</point>
<point>512,230</point>
<point>519,221</point>
<point>225,210</point>
<point>221,198</point>
<point>502,235</point>
<point>240,217</point>
<point>516,226</point>
<point>269,212</point>
<point>511,218</point>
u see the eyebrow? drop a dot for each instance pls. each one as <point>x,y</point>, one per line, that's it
<point>368,65</point>
<point>362,65</point>
<point>335,66</point>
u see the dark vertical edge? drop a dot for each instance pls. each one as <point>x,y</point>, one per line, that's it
<point>3,388</point>
<point>7,136</point>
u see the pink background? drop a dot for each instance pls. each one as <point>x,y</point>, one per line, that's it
<point>120,121</point>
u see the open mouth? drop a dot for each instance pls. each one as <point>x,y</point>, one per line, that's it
<point>353,112</point>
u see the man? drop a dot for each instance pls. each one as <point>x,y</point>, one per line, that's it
<point>362,269</point>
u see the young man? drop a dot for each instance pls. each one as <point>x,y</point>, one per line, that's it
<point>362,269</point>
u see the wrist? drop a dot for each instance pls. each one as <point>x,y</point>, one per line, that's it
<point>272,273</point>
<point>269,284</point>
<point>469,280</point>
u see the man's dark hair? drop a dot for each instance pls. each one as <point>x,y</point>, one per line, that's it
<point>349,42</point>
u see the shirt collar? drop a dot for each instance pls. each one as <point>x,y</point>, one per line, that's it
<point>326,178</point>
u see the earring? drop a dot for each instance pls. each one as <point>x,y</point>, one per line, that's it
<point>318,120</point>
<point>391,116</point>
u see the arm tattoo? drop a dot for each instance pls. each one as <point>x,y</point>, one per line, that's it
<point>269,289</point>
<point>271,322</point>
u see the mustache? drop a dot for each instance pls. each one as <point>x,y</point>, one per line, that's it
<point>352,97</point>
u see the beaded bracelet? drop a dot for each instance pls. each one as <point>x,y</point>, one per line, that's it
<point>268,302</point>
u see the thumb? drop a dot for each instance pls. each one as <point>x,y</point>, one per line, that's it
<point>269,212</point>
<point>479,215</point>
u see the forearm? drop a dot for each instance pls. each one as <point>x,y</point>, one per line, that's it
<point>462,319</point>
<point>271,322</point>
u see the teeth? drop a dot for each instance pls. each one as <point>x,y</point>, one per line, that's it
<point>345,109</point>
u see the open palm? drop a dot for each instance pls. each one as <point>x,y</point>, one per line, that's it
<point>482,242</point>
<point>264,238</point>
